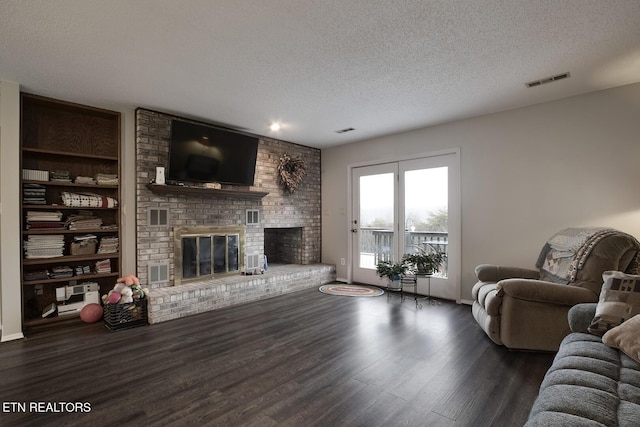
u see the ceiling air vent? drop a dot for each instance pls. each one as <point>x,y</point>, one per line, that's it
<point>548,80</point>
<point>345,130</point>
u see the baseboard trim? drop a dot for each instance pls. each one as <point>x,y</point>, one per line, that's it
<point>12,337</point>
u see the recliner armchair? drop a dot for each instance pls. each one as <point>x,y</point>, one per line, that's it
<point>527,309</point>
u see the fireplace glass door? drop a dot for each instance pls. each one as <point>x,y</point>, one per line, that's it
<point>226,257</point>
<point>189,257</point>
<point>205,253</point>
<point>232,253</point>
<point>219,254</point>
<point>204,256</point>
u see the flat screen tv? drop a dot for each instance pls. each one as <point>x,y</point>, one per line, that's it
<point>199,153</point>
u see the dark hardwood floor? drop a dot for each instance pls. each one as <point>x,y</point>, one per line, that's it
<point>296,360</point>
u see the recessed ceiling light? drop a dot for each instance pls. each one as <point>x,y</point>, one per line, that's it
<point>275,126</point>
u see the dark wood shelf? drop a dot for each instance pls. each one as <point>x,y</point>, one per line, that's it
<point>38,321</point>
<point>69,184</point>
<point>47,231</point>
<point>63,207</point>
<point>179,189</point>
<point>68,258</point>
<point>66,279</point>
<point>67,154</point>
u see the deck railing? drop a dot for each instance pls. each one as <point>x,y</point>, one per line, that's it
<point>376,244</point>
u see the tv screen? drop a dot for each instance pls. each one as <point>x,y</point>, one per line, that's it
<point>199,153</point>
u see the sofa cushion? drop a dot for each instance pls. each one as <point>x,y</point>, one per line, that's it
<point>619,301</point>
<point>625,337</point>
<point>580,316</point>
<point>588,384</point>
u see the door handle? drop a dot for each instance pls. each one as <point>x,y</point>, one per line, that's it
<point>354,230</point>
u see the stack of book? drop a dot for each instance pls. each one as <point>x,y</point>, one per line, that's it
<point>36,275</point>
<point>83,221</point>
<point>108,245</point>
<point>35,175</point>
<point>61,272</point>
<point>60,176</point>
<point>85,180</point>
<point>103,266</point>
<point>44,246</point>
<point>107,179</point>
<point>44,219</point>
<point>33,194</point>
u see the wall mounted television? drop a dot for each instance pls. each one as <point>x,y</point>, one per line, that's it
<point>199,153</point>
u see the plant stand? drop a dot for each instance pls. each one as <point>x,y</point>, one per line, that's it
<point>430,300</point>
<point>411,280</point>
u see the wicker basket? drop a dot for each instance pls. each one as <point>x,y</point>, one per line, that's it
<point>83,248</point>
<point>124,316</point>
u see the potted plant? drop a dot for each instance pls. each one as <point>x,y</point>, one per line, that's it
<point>393,271</point>
<point>425,262</point>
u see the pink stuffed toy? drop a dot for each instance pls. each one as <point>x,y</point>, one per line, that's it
<point>126,290</point>
<point>129,280</point>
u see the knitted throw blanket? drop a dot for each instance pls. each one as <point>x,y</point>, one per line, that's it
<point>567,251</point>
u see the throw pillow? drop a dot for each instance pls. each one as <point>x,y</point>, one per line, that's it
<point>619,301</point>
<point>626,337</point>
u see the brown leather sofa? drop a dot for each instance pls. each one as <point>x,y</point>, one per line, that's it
<point>527,309</point>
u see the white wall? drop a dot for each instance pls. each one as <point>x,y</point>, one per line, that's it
<point>128,189</point>
<point>525,174</point>
<point>10,245</point>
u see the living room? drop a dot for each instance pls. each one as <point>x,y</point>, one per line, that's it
<point>561,155</point>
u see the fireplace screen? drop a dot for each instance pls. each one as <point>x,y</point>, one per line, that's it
<point>205,253</point>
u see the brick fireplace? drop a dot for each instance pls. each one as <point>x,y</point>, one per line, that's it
<point>283,245</point>
<point>289,228</point>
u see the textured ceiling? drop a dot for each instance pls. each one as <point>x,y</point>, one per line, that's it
<point>318,66</point>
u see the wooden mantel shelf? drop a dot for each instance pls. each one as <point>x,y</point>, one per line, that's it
<point>179,189</point>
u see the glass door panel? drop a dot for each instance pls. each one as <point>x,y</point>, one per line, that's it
<point>426,212</point>
<point>375,219</point>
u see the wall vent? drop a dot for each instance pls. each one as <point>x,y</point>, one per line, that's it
<point>158,273</point>
<point>158,217</point>
<point>253,217</point>
<point>253,262</point>
<point>548,80</point>
<point>345,130</point>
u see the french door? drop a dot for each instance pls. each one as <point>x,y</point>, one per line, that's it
<point>403,207</point>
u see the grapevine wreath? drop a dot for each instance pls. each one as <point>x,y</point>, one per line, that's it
<point>290,171</point>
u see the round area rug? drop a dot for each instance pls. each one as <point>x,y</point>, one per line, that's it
<point>351,290</point>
